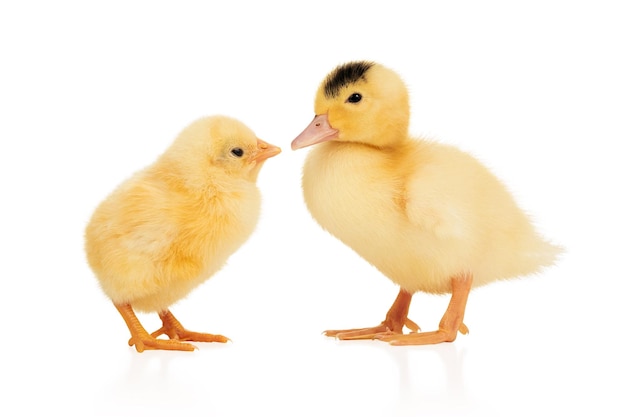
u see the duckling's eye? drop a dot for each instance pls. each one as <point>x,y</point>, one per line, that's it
<point>354,98</point>
<point>238,152</point>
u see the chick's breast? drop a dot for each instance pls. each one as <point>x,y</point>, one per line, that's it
<point>150,243</point>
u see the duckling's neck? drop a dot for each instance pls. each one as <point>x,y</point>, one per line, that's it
<point>389,147</point>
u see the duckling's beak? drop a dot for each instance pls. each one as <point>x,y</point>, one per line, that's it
<point>265,150</point>
<point>318,131</point>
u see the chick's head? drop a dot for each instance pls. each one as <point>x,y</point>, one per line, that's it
<point>217,145</point>
<point>360,102</point>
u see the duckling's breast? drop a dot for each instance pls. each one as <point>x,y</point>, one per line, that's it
<point>348,191</point>
<point>354,194</point>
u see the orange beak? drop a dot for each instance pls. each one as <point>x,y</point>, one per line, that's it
<point>265,151</point>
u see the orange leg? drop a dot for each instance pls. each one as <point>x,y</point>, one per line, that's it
<point>450,324</point>
<point>142,340</point>
<point>392,325</point>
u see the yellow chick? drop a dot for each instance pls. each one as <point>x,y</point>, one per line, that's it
<point>428,216</point>
<point>171,226</point>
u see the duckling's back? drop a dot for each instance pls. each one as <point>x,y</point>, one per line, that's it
<point>422,213</point>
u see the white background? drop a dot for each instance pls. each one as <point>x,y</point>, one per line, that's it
<point>89,93</point>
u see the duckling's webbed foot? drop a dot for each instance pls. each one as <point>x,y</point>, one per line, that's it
<point>393,324</point>
<point>451,323</point>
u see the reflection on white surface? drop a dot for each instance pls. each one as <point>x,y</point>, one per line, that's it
<point>366,378</point>
<point>432,382</point>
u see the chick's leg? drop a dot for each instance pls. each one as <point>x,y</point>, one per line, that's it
<point>450,324</point>
<point>140,337</point>
<point>393,324</point>
<point>175,331</point>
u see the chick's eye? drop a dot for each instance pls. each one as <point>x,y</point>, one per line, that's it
<point>238,152</point>
<point>354,98</point>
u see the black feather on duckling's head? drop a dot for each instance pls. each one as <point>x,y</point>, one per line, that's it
<point>359,101</point>
<point>345,75</point>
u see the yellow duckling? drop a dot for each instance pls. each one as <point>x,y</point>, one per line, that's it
<point>429,216</point>
<point>174,224</point>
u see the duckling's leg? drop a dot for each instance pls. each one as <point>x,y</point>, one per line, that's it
<point>393,324</point>
<point>174,330</point>
<point>450,324</point>
<point>140,337</point>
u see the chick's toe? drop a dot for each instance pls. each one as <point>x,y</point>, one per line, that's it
<point>174,330</point>
<point>140,337</point>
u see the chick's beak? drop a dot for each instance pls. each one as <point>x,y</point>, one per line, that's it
<point>318,131</point>
<point>265,151</point>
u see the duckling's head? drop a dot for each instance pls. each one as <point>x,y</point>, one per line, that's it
<point>361,102</point>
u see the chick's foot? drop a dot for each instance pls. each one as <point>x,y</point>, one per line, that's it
<point>175,331</point>
<point>393,324</point>
<point>140,337</point>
